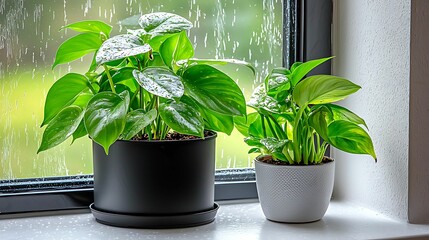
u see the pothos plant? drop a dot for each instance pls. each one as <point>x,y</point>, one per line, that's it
<point>141,84</point>
<point>296,118</point>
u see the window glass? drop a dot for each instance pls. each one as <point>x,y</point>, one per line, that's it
<point>249,30</point>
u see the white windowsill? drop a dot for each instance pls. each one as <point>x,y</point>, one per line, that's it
<point>234,221</point>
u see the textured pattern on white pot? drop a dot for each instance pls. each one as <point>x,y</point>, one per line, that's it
<point>294,193</point>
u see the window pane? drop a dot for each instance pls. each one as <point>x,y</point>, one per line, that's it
<point>250,30</point>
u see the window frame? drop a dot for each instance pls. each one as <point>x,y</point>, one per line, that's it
<point>308,38</point>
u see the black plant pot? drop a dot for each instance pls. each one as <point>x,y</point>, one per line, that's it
<point>155,184</point>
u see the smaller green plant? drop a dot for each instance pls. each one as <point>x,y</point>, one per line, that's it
<point>296,120</point>
<point>142,84</point>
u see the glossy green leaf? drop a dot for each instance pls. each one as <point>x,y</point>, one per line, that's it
<point>341,113</point>
<point>77,47</point>
<point>156,42</point>
<point>182,118</point>
<point>256,129</point>
<point>242,123</point>
<point>63,93</point>
<point>105,118</point>
<point>349,137</point>
<point>322,89</point>
<point>254,150</point>
<point>136,121</point>
<point>160,23</point>
<point>161,82</point>
<point>319,120</point>
<point>301,69</point>
<point>260,100</point>
<point>90,26</point>
<point>125,76</point>
<point>214,90</point>
<point>61,127</point>
<point>119,47</point>
<point>175,48</point>
<point>83,99</point>
<point>80,131</point>
<point>217,122</point>
<point>212,120</point>
<point>216,62</point>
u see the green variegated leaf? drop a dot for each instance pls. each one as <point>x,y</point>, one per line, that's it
<point>277,78</point>
<point>161,82</point>
<point>105,118</point>
<point>214,90</point>
<point>63,93</point>
<point>136,121</point>
<point>61,127</point>
<point>260,100</point>
<point>175,48</point>
<point>90,26</point>
<point>160,23</point>
<point>299,70</point>
<point>254,142</point>
<point>351,138</point>
<point>119,47</point>
<point>322,89</point>
<point>182,118</point>
<point>77,47</point>
<point>273,144</point>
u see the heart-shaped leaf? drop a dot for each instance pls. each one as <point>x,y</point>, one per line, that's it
<point>182,118</point>
<point>320,89</point>
<point>77,47</point>
<point>119,47</point>
<point>349,137</point>
<point>161,82</point>
<point>175,48</point>
<point>61,127</point>
<point>105,118</point>
<point>160,23</point>
<point>274,144</point>
<point>63,93</point>
<point>214,90</point>
<point>136,121</point>
<point>90,26</point>
<point>260,100</point>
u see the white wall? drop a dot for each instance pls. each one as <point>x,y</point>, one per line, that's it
<point>371,44</point>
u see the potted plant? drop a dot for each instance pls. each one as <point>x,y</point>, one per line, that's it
<point>294,123</point>
<point>152,112</point>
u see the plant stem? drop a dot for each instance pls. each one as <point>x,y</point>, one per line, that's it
<point>282,133</point>
<point>296,142</point>
<point>112,86</point>
<point>272,129</point>
<point>264,130</point>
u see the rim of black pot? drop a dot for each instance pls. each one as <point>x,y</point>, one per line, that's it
<point>213,135</point>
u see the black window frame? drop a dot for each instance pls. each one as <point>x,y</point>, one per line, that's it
<point>308,36</point>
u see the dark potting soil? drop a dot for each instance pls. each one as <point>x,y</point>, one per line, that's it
<point>174,136</point>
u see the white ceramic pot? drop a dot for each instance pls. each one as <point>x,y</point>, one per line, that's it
<point>294,194</point>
